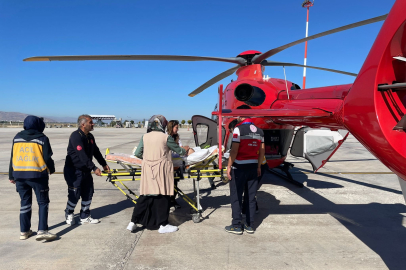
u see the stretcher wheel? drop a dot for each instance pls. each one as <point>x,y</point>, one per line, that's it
<point>196,217</point>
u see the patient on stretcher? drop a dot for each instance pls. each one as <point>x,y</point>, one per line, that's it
<point>196,155</point>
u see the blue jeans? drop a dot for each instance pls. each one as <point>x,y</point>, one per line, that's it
<point>41,189</point>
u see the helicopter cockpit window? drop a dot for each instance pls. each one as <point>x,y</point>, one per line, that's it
<point>295,87</point>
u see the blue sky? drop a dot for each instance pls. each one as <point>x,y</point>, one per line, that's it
<point>139,89</point>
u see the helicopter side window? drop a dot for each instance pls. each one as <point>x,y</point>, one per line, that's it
<point>277,142</point>
<point>272,143</point>
<point>202,133</point>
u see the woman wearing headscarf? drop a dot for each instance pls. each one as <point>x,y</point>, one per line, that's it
<point>157,179</point>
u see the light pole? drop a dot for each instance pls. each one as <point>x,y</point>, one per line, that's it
<point>306,4</point>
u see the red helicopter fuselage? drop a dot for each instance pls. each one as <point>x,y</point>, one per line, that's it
<point>373,109</point>
<point>255,94</point>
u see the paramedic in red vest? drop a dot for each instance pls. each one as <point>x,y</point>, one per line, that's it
<point>244,168</point>
<point>78,169</point>
<point>30,166</point>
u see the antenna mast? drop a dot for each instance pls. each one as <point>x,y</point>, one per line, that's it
<point>306,4</point>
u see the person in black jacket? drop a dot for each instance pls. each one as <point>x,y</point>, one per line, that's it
<point>78,168</point>
<point>30,164</point>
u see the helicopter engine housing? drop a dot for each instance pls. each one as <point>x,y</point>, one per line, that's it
<point>250,95</point>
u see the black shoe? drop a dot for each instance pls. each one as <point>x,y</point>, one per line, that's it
<point>233,229</point>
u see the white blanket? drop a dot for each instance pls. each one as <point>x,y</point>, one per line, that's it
<point>198,156</point>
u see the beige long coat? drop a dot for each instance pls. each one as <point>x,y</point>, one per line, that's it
<point>157,167</point>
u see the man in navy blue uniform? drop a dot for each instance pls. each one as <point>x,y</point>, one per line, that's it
<point>30,166</point>
<point>78,170</point>
<point>243,170</point>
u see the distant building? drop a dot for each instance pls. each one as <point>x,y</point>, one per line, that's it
<point>99,118</point>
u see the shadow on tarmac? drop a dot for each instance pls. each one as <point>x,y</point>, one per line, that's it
<point>99,212</point>
<point>180,216</point>
<point>297,174</point>
<point>379,226</point>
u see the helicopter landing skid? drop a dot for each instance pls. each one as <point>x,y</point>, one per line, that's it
<point>285,167</point>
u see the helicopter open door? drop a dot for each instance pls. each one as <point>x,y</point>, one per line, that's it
<point>205,131</point>
<point>317,145</point>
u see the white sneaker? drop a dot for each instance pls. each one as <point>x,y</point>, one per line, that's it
<point>70,219</point>
<point>131,226</point>
<point>45,235</point>
<point>89,220</point>
<point>167,229</point>
<point>25,235</point>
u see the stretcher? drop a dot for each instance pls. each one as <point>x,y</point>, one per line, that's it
<point>131,171</point>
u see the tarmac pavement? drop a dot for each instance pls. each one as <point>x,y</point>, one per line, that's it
<point>350,215</point>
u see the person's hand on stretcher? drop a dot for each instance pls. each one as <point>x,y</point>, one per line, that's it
<point>98,172</point>
<point>189,150</point>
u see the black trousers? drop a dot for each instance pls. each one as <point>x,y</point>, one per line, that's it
<point>80,185</point>
<point>244,180</point>
<point>41,189</point>
<point>264,169</point>
<point>152,211</point>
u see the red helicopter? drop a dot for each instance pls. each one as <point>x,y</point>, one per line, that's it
<point>372,108</point>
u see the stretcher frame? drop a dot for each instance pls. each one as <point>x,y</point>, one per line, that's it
<point>195,172</point>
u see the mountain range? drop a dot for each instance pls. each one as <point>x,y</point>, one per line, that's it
<point>17,116</point>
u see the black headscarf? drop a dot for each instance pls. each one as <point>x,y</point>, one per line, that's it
<point>34,122</point>
<point>33,128</point>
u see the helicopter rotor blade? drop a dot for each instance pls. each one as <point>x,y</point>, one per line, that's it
<point>209,83</point>
<point>259,58</point>
<point>280,64</point>
<point>235,60</point>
